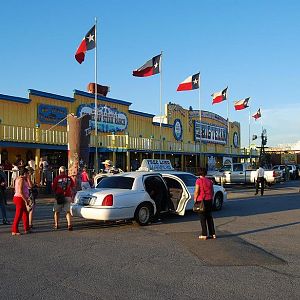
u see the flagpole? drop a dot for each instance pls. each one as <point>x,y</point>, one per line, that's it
<point>160,104</point>
<point>96,106</point>
<point>249,134</point>
<point>200,119</point>
<point>228,127</point>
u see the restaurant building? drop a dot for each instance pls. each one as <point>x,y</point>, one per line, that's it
<point>36,126</point>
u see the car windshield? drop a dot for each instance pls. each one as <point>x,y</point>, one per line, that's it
<point>188,179</point>
<point>225,168</point>
<point>116,182</point>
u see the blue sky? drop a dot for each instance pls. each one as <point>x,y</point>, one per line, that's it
<point>252,47</point>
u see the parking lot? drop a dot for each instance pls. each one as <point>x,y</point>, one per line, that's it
<point>256,255</point>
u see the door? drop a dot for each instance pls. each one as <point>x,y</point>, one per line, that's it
<point>179,194</point>
<point>237,175</point>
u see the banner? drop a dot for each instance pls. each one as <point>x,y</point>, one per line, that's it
<point>109,118</point>
<point>210,133</point>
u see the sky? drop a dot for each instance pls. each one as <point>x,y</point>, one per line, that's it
<point>252,47</point>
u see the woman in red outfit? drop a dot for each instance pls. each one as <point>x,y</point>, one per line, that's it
<point>85,180</point>
<point>21,200</point>
<point>204,191</point>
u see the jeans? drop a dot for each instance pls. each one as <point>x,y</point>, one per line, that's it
<point>21,213</point>
<point>260,180</point>
<point>206,219</point>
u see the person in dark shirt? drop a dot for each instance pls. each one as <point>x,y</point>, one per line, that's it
<point>3,185</point>
<point>63,188</point>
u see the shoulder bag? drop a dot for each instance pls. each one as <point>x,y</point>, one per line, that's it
<point>199,206</point>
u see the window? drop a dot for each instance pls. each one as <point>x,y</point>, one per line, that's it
<point>116,182</point>
<point>188,179</point>
<point>225,168</point>
<point>238,167</point>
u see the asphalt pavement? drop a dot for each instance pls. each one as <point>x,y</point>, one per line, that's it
<point>256,254</point>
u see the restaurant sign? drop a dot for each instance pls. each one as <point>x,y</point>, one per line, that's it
<point>109,118</point>
<point>210,133</point>
<point>51,114</point>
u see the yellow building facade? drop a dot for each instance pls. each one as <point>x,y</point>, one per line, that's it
<point>36,126</point>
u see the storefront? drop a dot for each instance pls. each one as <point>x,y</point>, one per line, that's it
<point>36,126</point>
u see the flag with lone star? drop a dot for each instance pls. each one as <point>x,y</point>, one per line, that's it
<point>88,43</point>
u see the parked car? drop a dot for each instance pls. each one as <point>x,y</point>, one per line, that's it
<point>281,168</point>
<point>298,170</point>
<point>242,173</point>
<point>292,170</point>
<point>132,195</point>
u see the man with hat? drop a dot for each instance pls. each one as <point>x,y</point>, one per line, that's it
<point>108,166</point>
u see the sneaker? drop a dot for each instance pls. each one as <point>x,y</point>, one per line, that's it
<point>6,222</point>
<point>202,237</point>
<point>214,236</point>
<point>15,233</point>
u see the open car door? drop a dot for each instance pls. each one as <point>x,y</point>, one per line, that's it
<point>179,194</point>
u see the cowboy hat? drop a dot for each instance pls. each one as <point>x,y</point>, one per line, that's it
<point>107,162</point>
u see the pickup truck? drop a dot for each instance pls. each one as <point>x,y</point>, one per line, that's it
<point>238,173</point>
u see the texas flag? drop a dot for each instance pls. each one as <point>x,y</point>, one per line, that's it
<point>190,83</point>
<point>151,67</point>
<point>257,115</point>
<point>241,104</point>
<point>219,96</point>
<point>88,43</point>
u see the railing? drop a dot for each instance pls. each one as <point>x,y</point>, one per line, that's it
<point>32,135</point>
<point>111,141</point>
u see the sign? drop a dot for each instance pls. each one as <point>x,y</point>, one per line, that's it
<point>288,158</point>
<point>211,163</point>
<point>227,160</point>
<point>177,130</point>
<point>156,165</point>
<point>236,140</point>
<point>210,133</point>
<point>51,114</point>
<point>109,119</point>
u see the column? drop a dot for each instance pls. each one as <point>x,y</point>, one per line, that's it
<point>128,165</point>
<point>37,159</point>
<point>114,157</point>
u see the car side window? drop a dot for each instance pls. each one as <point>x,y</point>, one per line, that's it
<point>238,167</point>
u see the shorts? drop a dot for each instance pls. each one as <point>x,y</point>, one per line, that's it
<point>62,207</point>
<point>85,185</point>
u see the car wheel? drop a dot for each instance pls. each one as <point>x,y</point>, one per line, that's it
<point>143,214</point>
<point>218,201</point>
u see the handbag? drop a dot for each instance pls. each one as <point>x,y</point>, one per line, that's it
<point>199,207</point>
<point>29,206</point>
<point>60,198</point>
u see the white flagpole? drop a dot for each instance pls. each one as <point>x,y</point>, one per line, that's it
<point>228,129</point>
<point>160,104</point>
<point>200,119</point>
<point>249,133</point>
<point>96,105</point>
